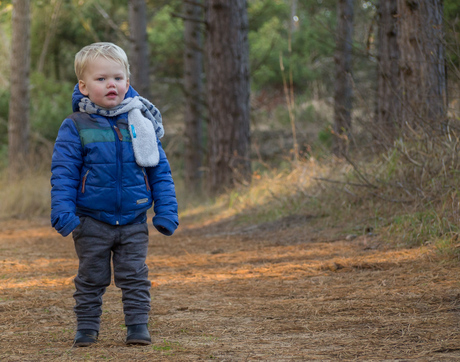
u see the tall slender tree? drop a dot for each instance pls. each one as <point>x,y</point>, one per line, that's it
<point>227,71</point>
<point>388,102</point>
<point>343,83</point>
<point>422,65</point>
<point>18,118</point>
<point>193,88</point>
<point>139,52</point>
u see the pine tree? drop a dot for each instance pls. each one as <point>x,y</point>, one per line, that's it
<point>228,90</point>
<point>18,119</point>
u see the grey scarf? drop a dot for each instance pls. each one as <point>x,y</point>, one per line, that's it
<point>145,125</point>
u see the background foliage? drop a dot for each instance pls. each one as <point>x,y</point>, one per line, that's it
<point>68,25</point>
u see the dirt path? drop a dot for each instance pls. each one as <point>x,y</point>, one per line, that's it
<point>266,293</point>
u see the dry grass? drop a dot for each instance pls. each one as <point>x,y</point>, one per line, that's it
<point>26,196</point>
<point>275,194</point>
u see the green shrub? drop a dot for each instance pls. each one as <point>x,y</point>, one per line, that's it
<point>51,102</point>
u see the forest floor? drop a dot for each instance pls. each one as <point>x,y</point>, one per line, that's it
<point>228,292</point>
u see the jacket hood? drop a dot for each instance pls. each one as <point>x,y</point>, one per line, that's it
<point>77,96</point>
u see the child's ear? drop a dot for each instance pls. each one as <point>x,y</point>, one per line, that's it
<point>82,88</point>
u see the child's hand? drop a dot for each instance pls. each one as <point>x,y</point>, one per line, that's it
<point>65,223</point>
<point>162,230</point>
<point>165,225</point>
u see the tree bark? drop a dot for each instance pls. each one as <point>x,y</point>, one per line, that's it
<point>388,102</point>
<point>228,91</point>
<point>18,118</point>
<point>193,88</point>
<point>343,82</point>
<point>423,76</point>
<point>139,54</point>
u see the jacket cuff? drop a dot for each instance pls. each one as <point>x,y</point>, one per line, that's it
<point>164,226</point>
<point>70,226</point>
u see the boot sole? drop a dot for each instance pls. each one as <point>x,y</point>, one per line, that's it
<point>83,344</point>
<point>138,341</point>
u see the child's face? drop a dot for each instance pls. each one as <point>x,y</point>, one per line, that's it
<point>104,82</point>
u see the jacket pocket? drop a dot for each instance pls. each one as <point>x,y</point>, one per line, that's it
<point>83,182</point>
<point>146,179</point>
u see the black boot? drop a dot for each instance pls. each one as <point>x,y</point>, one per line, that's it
<point>85,337</point>
<point>138,334</point>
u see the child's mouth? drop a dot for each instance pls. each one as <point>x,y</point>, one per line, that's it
<point>111,94</point>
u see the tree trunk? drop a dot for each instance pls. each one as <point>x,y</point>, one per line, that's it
<point>343,81</point>
<point>228,92</point>
<point>388,102</point>
<point>423,76</point>
<point>139,54</point>
<point>18,118</point>
<point>193,88</point>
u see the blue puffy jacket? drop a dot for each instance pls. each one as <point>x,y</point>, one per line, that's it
<point>94,174</point>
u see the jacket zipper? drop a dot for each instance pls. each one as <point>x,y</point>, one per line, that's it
<point>119,170</point>
<point>83,183</point>
<point>117,130</point>
<point>146,179</point>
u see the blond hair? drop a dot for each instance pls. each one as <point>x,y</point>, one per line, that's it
<point>93,51</point>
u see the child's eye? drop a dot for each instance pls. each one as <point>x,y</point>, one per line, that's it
<point>100,79</point>
<point>118,78</point>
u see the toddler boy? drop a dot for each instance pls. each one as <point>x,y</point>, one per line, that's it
<point>108,167</point>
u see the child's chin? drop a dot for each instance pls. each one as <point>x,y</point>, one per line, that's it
<point>109,104</point>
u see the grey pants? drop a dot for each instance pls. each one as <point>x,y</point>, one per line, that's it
<point>96,243</point>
